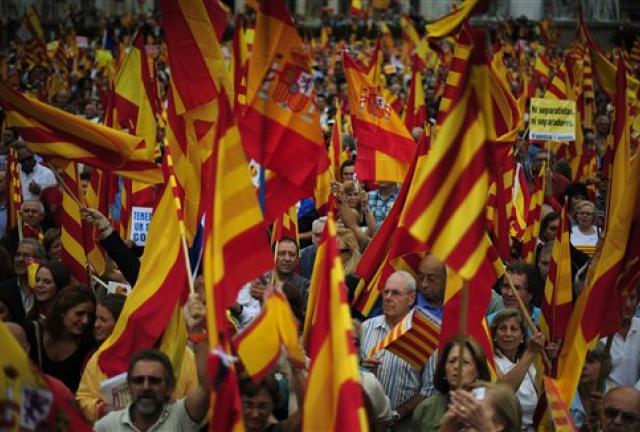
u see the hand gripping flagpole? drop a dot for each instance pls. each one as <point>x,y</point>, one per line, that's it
<point>173,183</point>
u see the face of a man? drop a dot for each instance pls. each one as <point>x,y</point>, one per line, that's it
<point>621,410</point>
<point>24,252</point>
<point>431,279</point>
<point>26,159</point>
<point>148,388</point>
<point>396,298</point>
<point>520,284</point>
<point>31,213</point>
<point>287,257</point>
<point>316,233</point>
<point>347,173</point>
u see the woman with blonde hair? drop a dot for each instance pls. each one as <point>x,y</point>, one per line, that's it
<point>584,235</point>
<point>349,250</point>
<point>355,213</point>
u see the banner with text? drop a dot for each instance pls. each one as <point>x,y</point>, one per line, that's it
<point>141,219</point>
<point>552,120</point>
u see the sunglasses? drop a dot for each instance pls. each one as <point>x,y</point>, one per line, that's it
<point>140,379</point>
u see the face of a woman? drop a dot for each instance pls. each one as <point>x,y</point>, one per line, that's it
<point>55,250</point>
<point>45,288</point>
<point>353,198</point>
<point>509,335</point>
<point>590,371</point>
<point>345,251</point>
<point>469,371</point>
<point>78,318</point>
<point>552,229</point>
<point>585,216</point>
<point>104,323</point>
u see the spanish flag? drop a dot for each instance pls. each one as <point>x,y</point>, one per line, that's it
<point>333,397</point>
<point>31,401</point>
<point>280,126</point>
<point>259,345</point>
<point>51,132</point>
<point>235,238</point>
<point>385,146</point>
<point>558,288</point>
<point>597,310</point>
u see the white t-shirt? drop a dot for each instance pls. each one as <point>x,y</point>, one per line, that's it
<point>578,238</point>
<point>41,175</point>
<point>625,357</point>
<point>526,393</point>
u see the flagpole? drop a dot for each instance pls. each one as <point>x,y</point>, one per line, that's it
<point>462,329</point>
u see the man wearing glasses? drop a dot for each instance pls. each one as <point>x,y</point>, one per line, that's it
<point>151,380</point>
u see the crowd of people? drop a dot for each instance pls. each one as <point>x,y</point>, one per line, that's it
<point>61,324</point>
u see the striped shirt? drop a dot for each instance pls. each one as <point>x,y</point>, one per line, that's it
<point>400,380</point>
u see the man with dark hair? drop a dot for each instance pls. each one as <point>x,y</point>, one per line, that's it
<point>151,380</point>
<point>527,282</point>
<point>347,169</point>
<point>287,259</point>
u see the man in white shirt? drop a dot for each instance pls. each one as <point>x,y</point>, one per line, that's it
<point>34,176</point>
<point>625,347</point>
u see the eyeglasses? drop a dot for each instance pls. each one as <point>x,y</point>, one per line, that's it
<point>140,379</point>
<point>627,418</point>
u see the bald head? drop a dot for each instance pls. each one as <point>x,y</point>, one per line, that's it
<point>18,332</point>
<point>621,410</point>
<point>432,279</point>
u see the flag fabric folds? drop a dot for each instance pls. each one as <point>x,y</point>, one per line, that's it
<point>558,409</point>
<point>558,289</point>
<point>597,309</point>
<point>333,396</point>
<point>280,125</point>
<point>286,226</point>
<point>234,238</point>
<point>51,132</point>
<point>74,244</point>
<point>30,400</point>
<point>274,328</point>
<point>414,338</point>
<point>385,146</point>
<point>448,24</point>
<point>14,189</point>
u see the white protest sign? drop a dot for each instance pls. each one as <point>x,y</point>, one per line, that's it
<point>140,221</point>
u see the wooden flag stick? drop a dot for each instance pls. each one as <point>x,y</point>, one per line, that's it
<point>462,330</point>
<point>527,317</point>
<point>78,200</point>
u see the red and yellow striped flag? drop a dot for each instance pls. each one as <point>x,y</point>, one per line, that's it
<point>234,238</point>
<point>14,189</point>
<point>280,126</point>
<point>356,8</point>
<point>240,64</point>
<point>453,88</point>
<point>448,24</point>
<point>385,146</point>
<point>286,226</point>
<point>258,346</point>
<point>74,243</point>
<point>414,339</point>
<point>534,212</point>
<point>100,195</point>
<point>558,289</point>
<point>557,408</point>
<point>133,194</point>
<point>33,36</point>
<point>597,310</point>
<point>409,32</point>
<point>416,112</point>
<point>333,397</point>
<point>51,132</point>
<point>134,104</point>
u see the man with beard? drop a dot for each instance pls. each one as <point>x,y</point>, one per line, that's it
<point>151,380</point>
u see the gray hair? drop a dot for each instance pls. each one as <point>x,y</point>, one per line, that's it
<point>320,221</point>
<point>40,205</point>
<point>39,251</point>
<point>407,278</point>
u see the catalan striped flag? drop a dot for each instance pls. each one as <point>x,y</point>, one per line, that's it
<point>33,36</point>
<point>31,400</point>
<point>276,327</point>
<point>333,397</point>
<point>134,194</point>
<point>14,189</point>
<point>134,104</point>
<point>74,244</point>
<point>280,126</point>
<point>558,289</point>
<point>356,8</point>
<point>541,72</point>
<point>530,238</point>
<point>452,88</point>
<point>286,226</point>
<point>634,55</point>
<point>597,309</point>
<point>51,132</point>
<point>100,195</point>
<point>414,338</point>
<point>557,408</point>
<point>234,238</point>
<point>409,32</point>
<point>447,198</point>
<point>385,146</point>
<point>416,111</point>
<point>448,24</point>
